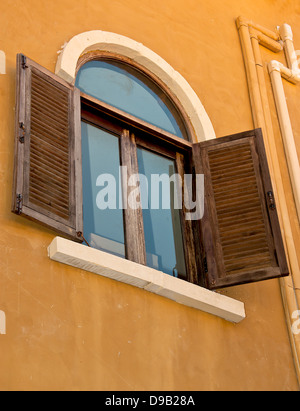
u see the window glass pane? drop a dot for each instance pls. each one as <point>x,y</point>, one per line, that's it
<point>127,89</point>
<point>103,228</point>
<point>163,233</point>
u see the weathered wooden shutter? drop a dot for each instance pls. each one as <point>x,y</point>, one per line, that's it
<point>47,176</point>
<point>240,228</point>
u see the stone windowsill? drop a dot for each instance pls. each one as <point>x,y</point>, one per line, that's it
<point>149,279</point>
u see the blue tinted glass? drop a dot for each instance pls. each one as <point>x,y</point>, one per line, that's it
<point>103,228</point>
<point>127,89</point>
<point>163,234</point>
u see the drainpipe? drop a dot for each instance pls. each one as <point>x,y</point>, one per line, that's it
<point>251,35</point>
<point>292,74</point>
<point>255,98</point>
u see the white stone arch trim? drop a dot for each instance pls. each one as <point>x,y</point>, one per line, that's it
<point>98,40</point>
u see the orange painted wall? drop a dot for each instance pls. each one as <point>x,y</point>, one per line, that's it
<point>72,330</point>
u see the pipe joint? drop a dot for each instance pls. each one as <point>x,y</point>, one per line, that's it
<point>286,32</point>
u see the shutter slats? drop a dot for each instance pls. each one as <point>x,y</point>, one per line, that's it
<point>40,112</point>
<point>49,90</point>
<point>43,186</point>
<point>41,164</point>
<point>45,174</point>
<point>49,134</point>
<point>46,163</point>
<point>219,162</point>
<point>43,125</point>
<point>52,162</point>
<point>238,232</point>
<point>43,197</point>
<point>40,93</point>
<point>50,207</point>
<point>49,122</point>
<point>48,147</point>
<point>52,104</point>
<point>237,191</point>
<point>236,182</point>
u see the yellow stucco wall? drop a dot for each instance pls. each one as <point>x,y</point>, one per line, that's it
<point>69,329</point>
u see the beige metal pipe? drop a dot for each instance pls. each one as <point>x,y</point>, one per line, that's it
<point>286,35</point>
<point>286,130</point>
<point>255,98</point>
<point>250,40</point>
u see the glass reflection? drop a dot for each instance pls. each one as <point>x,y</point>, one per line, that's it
<point>127,89</point>
<point>103,228</point>
<point>162,226</point>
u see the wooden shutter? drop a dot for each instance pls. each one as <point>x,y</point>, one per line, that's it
<point>47,176</point>
<point>240,228</point>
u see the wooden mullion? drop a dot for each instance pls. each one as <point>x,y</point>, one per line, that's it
<point>133,218</point>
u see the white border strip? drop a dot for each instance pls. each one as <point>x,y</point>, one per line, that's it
<point>115,268</point>
<point>98,40</point>
<point>2,62</point>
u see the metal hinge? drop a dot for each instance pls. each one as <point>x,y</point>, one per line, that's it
<point>19,203</point>
<point>24,61</point>
<point>271,200</point>
<point>22,133</point>
<point>80,235</point>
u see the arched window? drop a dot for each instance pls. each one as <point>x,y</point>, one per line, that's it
<point>126,119</point>
<point>81,152</point>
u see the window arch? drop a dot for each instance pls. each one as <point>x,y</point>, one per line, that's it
<point>127,87</point>
<point>102,41</point>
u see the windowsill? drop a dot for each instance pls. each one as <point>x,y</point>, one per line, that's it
<point>116,268</point>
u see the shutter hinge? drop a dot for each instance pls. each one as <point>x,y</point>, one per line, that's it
<point>19,203</point>
<point>271,200</point>
<point>80,235</point>
<point>24,61</point>
<point>22,133</point>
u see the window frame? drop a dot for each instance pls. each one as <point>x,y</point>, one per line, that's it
<point>164,93</point>
<point>201,250</point>
<point>134,133</point>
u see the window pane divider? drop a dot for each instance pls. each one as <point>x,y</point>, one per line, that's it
<point>135,122</point>
<point>133,217</point>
